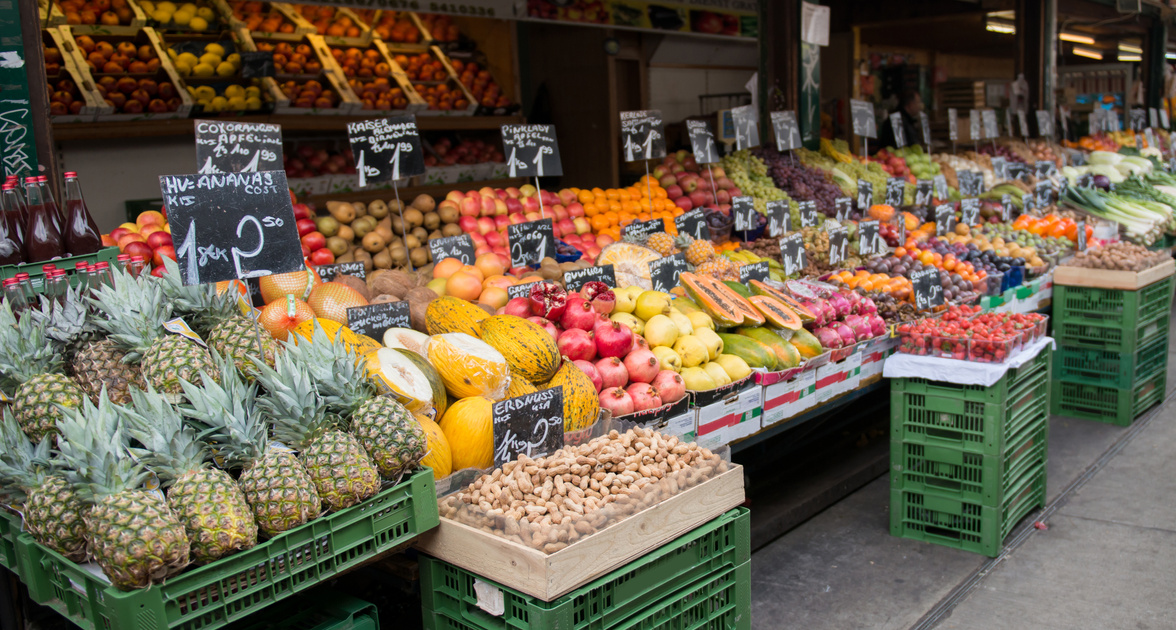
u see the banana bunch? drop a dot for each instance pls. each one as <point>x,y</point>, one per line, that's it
<point>830,150</point>
<point>1014,192</point>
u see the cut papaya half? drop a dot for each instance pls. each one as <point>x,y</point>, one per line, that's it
<point>751,317</point>
<point>759,288</point>
<point>737,288</point>
<point>776,314</point>
<point>714,303</point>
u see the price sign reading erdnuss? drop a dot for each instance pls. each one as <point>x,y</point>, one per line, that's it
<point>372,320</point>
<point>896,125</point>
<point>575,280</point>
<point>743,210</point>
<point>642,135</point>
<point>808,213</point>
<point>755,271</point>
<point>842,207</point>
<point>786,130</point>
<point>779,219</point>
<point>232,225</point>
<point>863,118</point>
<point>235,147</point>
<point>944,219</point>
<point>702,141</point>
<point>865,195</point>
<point>460,247</point>
<point>328,273</point>
<point>386,149</point>
<point>531,425</point>
<point>868,238</point>
<point>895,187</point>
<point>746,121</point>
<point>970,211</point>
<point>530,242</point>
<point>664,272</point>
<point>531,150</point>
<point>922,192</point>
<point>792,253</point>
<point>693,223</point>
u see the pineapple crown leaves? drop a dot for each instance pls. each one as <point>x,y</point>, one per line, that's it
<point>199,304</point>
<point>227,416</point>
<point>135,311</point>
<point>23,466</point>
<point>336,370</point>
<point>64,321</point>
<point>93,445</point>
<point>296,410</point>
<point>171,448</point>
<point>25,349</point>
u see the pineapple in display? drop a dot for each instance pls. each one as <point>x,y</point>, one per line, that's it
<point>207,501</point>
<point>67,323</point>
<point>336,370</point>
<point>395,440</point>
<point>662,243</point>
<point>341,469</point>
<point>276,486</point>
<point>133,534</point>
<point>31,361</point>
<point>135,311</point>
<point>698,251</point>
<point>33,480</point>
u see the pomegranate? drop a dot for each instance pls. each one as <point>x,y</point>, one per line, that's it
<point>589,368</point>
<point>642,365</point>
<point>519,307</point>
<point>613,339</point>
<point>601,296</point>
<point>549,300</point>
<point>578,314</point>
<point>669,386</point>
<point>640,342</point>
<point>613,372</point>
<point>551,328</point>
<point>644,396</point>
<point>617,401</point>
<point>576,344</point>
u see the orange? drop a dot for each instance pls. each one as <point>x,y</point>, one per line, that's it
<point>298,283</point>
<point>586,197</point>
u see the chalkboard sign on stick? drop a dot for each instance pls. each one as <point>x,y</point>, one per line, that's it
<point>779,218</point>
<point>953,124</point>
<point>944,219</point>
<point>236,147</point>
<point>787,130</point>
<point>792,253</point>
<point>863,118</point>
<point>838,247</point>
<point>520,290</point>
<point>743,211</point>
<point>702,141</point>
<point>531,150</point>
<point>531,425</point>
<point>372,320</point>
<point>842,207</point>
<point>865,196</point>
<point>970,211</point>
<point>328,273</point>
<point>664,272</point>
<point>895,188</point>
<point>896,125</point>
<point>460,247</point>
<point>925,123</point>
<point>530,242</point>
<point>644,228</point>
<point>754,271</point>
<point>232,225</point>
<point>868,238</point>
<point>928,288</point>
<point>642,135</point>
<point>923,189</point>
<point>694,224</point>
<point>941,190</point>
<point>386,149</point>
<point>575,280</point>
<point>808,213</point>
<point>746,120</point>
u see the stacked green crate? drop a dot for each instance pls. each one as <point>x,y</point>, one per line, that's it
<point>699,580</point>
<point>1112,358</point>
<point>967,462</point>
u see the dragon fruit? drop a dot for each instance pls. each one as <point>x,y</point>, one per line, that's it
<point>828,338</point>
<point>847,336</point>
<point>860,326</point>
<point>840,304</point>
<point>877,324</point>
<point>855,301</point>
<point>867,307</point>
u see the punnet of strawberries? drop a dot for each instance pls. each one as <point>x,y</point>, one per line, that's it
<point>964,334</point>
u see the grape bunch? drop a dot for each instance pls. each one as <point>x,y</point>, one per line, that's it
<point>750,175</point>
<point>801,182</point>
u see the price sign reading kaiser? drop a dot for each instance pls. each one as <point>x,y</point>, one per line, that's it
<point>232,225</point>
<point>702,141</point>
<point>530,242</point>
<point>386,149</point>
<point>531,150</point>
<point>786,130</point>
<point>779,219</point>
<point>743,210</point>
<point>642,135</point>
<point>235,147</point>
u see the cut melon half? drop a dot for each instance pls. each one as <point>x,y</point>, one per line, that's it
<point>400,377</point>
<point>406,339</point>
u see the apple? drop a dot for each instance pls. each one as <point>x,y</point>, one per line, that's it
<point>456,196</point>
<point>704,183</point>
<point>566,196</point>
<point>674,191</point>
<point>158,271</point>
<point>322,257</point>
<point>723,196</point>
<point>485,225</point>
<point>137,248</point>
<point>314,240</point>
<point>471,206</point>
<point>677,168</point>
<point>495,239</point>
<point>501,221</point>
<point>449,203</point>
<point>699,198</point>
<point>517,218</point>
<point>559,212</point>
<point>575,210</point>
<point>167,251</point>
<point>118,233</point>
<point>566,226</point>
<point>513,193</point>
<point>667,180</point>
<point>513,205</point>
<point>302,211</point>
<point>690,185</point>
<point>488,206</point>
<point>500,251</point>
<point>530,204</point>
<point>527,190</point>
<point>306,226</point>
<point>582,225</point>
<point>150,217</point>
<point>501,194</point>
<point>532,216</point>
<point>660,171</point>
<point>476,236</point>
<point>159,239</point>
<point>500,207</point>
<point>108,241</point>
<point>684,203</point>
<point>467,224</point>
<point>482,249</point>
<point>486,191</point>
<point>717,172</point>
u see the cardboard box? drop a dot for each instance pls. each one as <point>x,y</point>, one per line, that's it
<point>787,399</point>
<point>732,417</point>
<point>837,377</point>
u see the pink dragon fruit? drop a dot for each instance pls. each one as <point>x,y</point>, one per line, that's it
<point>840,304</point>
<point>855,300</point>
<point>867,307</point>
<point>860,326</point>
<point>847,336</point>
<point>877,324</point>
<point>828,338</point>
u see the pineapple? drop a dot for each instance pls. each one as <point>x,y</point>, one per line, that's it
<point>336,371</point>
<point>135,311</point>
<point>51,508</point>
<point>698,251</point>
<point>67,323</point>
<point>662,243</point>
<point>710,268</point>
<point>341,469</point>
<point>133,534</point>
<point>207,501</point>
<point>276,486</point>
<point>31,362</point>
<point>392,437</point>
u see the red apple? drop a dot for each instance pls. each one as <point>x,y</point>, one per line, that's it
<point>455,196</point>
<point>513,192</point>
<point>118,233</point>
<point>495,239</point>
<point>476,236</point>
<point>322,256</point>
<point>485,225</point>
<point>482,249</point>
<point>575,210</point>
<point>471,206</point>
<point>567,226</point>
<point>513,205</point>
<point>517,218</point>
<point>558,211</point>
<point>467,224</point>
<point>301,210</point>
<point>566,196</point>
<point>167,251</point>
<point>684,203</point>
<point>138,248</point>
<point>314,240</point>
<point>501,221</point>
<point>488,206</point>
<point>159,239</point>
<point>306,226</point>
<point>159,271</point>
<point>673,192</point>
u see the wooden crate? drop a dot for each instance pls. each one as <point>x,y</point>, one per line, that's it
<point>451,81</point>
<point>138,21</point>
<point>1110,279</point>
<point>331,76</point>
<point>365,36</point>
<point>301,26</point>
<point>74,68</point>
<point>166,72</point>
<point>49,13</point>
<point>548,576</point>
<point>419,46</point>
<point>241,43</point>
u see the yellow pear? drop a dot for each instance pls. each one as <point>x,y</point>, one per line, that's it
<point>651,303</point>
<point>668,358</point>
<point>698,319</point>
<point>697,379</point>
<point>713,342</point>
<point>717,372</point>
<point>660,330</point>
<point>734,366</point>
<point>685,327</point>
<point>692,350</point>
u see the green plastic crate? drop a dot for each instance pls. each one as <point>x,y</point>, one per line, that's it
<point>37,275</point>
<point>998,392</point>
<point>968,425</point>
<point>1111,369</point>
<point>604,602</point>
<point>238,586</point>
<point>969,476</point>
<point>330,610</point>
<point>719,601</point>
<point>11,525</point>
<point>1111,320</point>
<point>1113,405</point>
<point>947,520</point>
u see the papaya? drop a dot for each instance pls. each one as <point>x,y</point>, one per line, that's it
<point>775,313</point>
<point>806,344</point>
<point>737,288</point>
<point>787,355</point>
<point>712,302</point>
<point>759,288</point>
<point>755,353</point>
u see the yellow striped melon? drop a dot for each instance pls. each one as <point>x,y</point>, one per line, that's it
<point>468,366</point>
<point>580,401</point>
<point>449,314</point>
<point>527,347</point>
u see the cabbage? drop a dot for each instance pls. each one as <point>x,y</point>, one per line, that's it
<point>1106,170</point>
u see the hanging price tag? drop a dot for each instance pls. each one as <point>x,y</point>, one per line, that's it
<point>975,125</point>
<point>328,273</point>
<point>386,149</point>
<point>642,135</point>
<point>1081,236</point>
<point>808,213</point>
<point>1043,191</point>
<point>989,118</point>
<point>792,253</point>
<point>868,238</point>
<point>865,195</point>
<point>374,319</point>
<point>941,190</point>
<point>643,228</point>
<point>1023,123</point>
<point>531,150</point>
<point>530,242</point>
<point>895,187</point>
<point>925,123</point>
<point>234,147</point>
<point>746,121</point>
<point>1000,167</point>
<point>928,288</point>
<point>779,219</point>
<point>787,130</point>
<point>520,290</point>
<point>944,219</point>
<point>743,211</point>
<point>1045,127</point>
<point>842,207</point>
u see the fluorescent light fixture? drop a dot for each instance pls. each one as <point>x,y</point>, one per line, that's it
<point>1075,38</point>
<point>1087,52</point>
<point>1000,27</point>
<point>1171,55</point>
<point>1129,48</point>
<point>1130,57</point>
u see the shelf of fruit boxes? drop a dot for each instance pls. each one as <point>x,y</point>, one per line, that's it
<point>299,26</point>
<point>415,105</point>
<point>425,39</point>
<point>138,20</point>
<point>366,34</point>
<point>165,73</point>
<point>197,44</point>
<point>329,77</point>
<point>451,81</point>
<point>218,21</point>
<point>84,88</point>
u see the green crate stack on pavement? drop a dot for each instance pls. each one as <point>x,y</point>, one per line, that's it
<point>699,580</point>
<point>1112,359</point>
<point>328,609</point>
<point>967,462</point>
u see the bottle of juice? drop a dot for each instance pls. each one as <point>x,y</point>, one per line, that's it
<point>51,204</point>
<point>42,238</point>
<point>81,235</point>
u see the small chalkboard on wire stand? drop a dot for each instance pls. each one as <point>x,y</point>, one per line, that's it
<point>387,150</point>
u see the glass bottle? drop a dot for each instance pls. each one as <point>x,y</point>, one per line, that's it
<point>26,284</point>
<point>124,262</point>
<point>137,266</point>
<point>103,274</point>
<point>81,235</point>
<point>55,285</point>
<point>13,203</point>
<point>11,252</point>
<point>51,203</point>
<point>42,238</point>
<point>15,295</point>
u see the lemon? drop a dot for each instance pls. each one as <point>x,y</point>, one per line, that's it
<point>252,92</point>
<point>205,14</point>
<point>237,103</point>
<point>234,59</point>
<point>183,68</point>
<point>198,24</point>
<point>253,103</point>
<point>203,70</point>
<point>147,6</point>
<point>220,102</point>
<point>162,16</point>
<point>190,7</point>
<point>172,54</point>
<point>205,92</point>
<point>215,49</point>
<point>182,18</point>
<point>188,58</point>
<point>234,90</point>
<point>208,107</point>
<point>211,59</point>
<point>191,91</point>
<point>170,7</point>
<point>226,69</point>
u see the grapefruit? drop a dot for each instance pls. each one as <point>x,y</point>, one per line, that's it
<point>297,283</point>
<point>281,316</point>
<point>330,300</point>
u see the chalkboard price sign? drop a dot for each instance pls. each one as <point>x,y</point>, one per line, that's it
<point>786,129</point>
<point>1045,126</point>
<point>531,150</point>
<point>255,65</point>
<point>575,280</point>
<point>865,196</point>
<point>989,118</point>
<point>328,273</point>
<point>643,135</point>
<point>863,118</point>
<point>1028,204</point>
<point>925,123</point>
<point>755,271</point>
<point>693,223</point>
<point>975,125</point>
<point>1000,167</point>
<point>941,190</point>
<point>520,290</point>
<point>236,147</point>
<point>1009,123</point>
<point>868,238</point>
<point>842,206</point>
<point>746,121</point>
<point>460,247</point>
<point>970,211</point>
<point>971,183</point>
<point>372,320</point>
<point>645,228</point>
<point>928,288</point>
<point>1081,236</point>
<point>1086,180</point>
<point>1138,119</point>
<point>808,213</point>
<point>1043,191</point>
<point>1006,207</point>
<point>1164,118</point>
<point>1016,170</point>
<point>953,124</point>
<point>779,219</point>
<point>232,225</point>
<point>895,187</point>
<point>530,242</point>
<point>944,217</point>
<point>792,253</point>
<point>664,272</point>
<point>896,125</point>
<point>743,210</point>
<point>838,246</point>
<point>702,141</point>
<point>1153,117</point>
<point>922,192</point>
<point>386,149</point>
<point>1043,168</point>
<point>1023,123</point>
<point>531,425</point>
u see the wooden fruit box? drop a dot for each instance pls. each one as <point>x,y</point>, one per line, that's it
<point>92,101</point>
<point>365,31</point>
<point>451,81</point>
<point>548,576</point>
<point>299,25</point>
<point>138,21</point>
<point>233,41</point>
<point>331,77</point>
<point>423,42</point>
<point>218,22</point>
<point>49,13</point>
<point>399,80</point>
<point>1111,279</point>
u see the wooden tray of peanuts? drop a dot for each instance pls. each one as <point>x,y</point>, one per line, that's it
<point>549,525</point>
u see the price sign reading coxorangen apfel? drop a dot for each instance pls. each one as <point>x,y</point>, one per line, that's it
<point>232,225</point>
<point>702,141</point>
<point>531,150</point>
<point>236,147</point>
<point>386,149</point>
<point>530,242</point>
<point>642,135</point>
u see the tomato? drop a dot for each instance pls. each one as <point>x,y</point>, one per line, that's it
<point>314,240</point>
<point>306,226</point>
<point>322,256</point>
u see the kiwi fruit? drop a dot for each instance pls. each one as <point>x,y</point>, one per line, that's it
<point>432,221</point>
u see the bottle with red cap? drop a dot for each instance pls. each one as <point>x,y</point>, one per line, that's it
<point>12,201</point>
<point>81,235</point>
<point>137,266</point>
<point>42,238</point>
<point>15,296</point>
<point>11,243</point>
<point>51,203</point>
